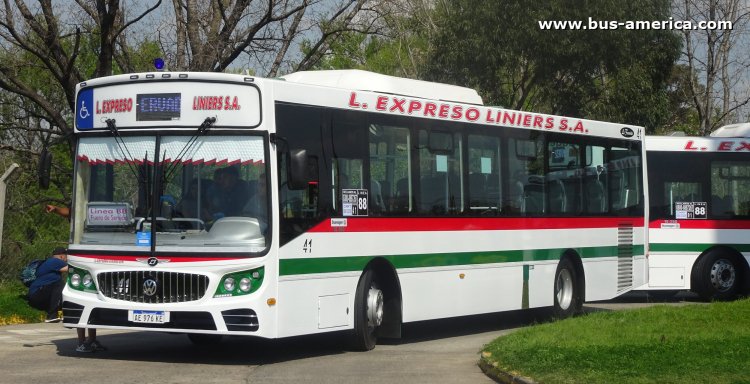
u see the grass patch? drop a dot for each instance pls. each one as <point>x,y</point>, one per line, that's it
<point>14,309</point>
<point>701,343</point>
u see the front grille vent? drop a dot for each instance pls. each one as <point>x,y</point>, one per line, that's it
<point>153,287</point>
<point>245,320</point>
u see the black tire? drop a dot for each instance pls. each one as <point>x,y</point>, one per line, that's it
<point>201,339</point>
<point>363,337</point>
<point>717,276</point>
<point>566,289</point>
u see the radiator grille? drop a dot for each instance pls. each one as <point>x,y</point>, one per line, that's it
<point>624,256</point>
<point>171,287</point>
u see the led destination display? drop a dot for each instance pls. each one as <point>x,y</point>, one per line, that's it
<point>158,106</point>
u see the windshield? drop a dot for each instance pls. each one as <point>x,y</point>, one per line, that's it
<point>211,196</point>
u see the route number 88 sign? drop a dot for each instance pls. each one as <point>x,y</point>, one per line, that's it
<point>354,202</point>
<point>690,210</point>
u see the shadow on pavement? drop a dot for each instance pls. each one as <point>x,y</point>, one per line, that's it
<point>240,350</point>
<point>642,297</point>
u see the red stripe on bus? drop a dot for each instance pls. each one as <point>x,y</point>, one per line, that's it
<point>366,224</point>
<point>704,224</point>
<point>161,258</point>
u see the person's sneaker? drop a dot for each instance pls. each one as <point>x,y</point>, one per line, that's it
<point>98,346</point>
<point>52,319</point>
<point>85,348</point>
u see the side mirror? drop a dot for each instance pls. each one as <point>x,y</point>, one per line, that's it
<point>298,169</point>
<point>45,165</point>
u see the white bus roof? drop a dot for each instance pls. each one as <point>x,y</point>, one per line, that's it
<point>697,144</point>
<point>732,130</point>
<point>357,80</point>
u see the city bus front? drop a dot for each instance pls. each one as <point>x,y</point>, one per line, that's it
<point>170,226</point>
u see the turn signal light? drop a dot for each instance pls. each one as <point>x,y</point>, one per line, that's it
<point>271,301</point>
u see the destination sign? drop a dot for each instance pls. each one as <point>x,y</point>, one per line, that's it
<point>187,104</point>
<point>158,107</point>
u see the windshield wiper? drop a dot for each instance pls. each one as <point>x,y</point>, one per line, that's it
<point>202,129</point>
<point>120,144</point>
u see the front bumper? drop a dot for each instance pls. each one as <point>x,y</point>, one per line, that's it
<point>228,316</point>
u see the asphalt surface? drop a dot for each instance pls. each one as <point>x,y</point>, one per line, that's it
<point>439,351</point>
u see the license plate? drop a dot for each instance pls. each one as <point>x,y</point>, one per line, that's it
<point>151,317</point>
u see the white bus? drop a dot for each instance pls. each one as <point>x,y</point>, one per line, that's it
<point>699,231</point>
<point>216,204</point>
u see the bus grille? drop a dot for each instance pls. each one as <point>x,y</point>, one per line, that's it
<point>624,256</point>
<point>139,287</point>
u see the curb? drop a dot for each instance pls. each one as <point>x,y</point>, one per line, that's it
<point>500,375</point>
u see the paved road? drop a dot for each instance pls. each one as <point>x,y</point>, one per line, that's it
<point>442,351</point>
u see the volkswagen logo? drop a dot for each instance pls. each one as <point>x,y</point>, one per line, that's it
<point>627,132</point>
<point>149,287</point>
<point>153,261</point>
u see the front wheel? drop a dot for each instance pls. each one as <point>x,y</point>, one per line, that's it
<point>368,313</point>
<point>567,297</point>
<point>719,276</point>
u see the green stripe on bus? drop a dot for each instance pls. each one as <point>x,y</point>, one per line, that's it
<point>667,247</point>
<point>358,263</point>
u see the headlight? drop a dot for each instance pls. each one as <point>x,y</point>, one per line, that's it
<point>245,284</point>
<point>87,281</point>
<point>229,284</point>
<point>240,283</point>
<point>75,280</point>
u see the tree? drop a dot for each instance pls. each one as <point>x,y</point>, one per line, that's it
<point>396,45</point>
<point>613,74</point>
<point>717,59</point>
<point>213,36</point>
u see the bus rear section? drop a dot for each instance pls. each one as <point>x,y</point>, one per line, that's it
<point>699,192</point>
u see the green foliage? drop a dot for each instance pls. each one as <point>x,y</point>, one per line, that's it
<point>13,306</point>
<point>617,75</point>
<point>370,53</point>
<point>661,344</point>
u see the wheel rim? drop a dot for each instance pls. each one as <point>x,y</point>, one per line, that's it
<point>723,275</point>
<point>374,307</point>
<point>564,289</point>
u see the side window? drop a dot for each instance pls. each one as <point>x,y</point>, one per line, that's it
<point>485,194</point>
<point>564,179</point>
<point>595,180</point>
<point>440,182</point>
<point>299,127</point>
<point>527,189</point>
<point>348,155</point>
<point>730,188</point>
<point>677,191</point>
<point>626,185</point>
<point>390,170</point>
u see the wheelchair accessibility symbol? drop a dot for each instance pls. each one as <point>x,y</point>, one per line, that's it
<point>83,112</point>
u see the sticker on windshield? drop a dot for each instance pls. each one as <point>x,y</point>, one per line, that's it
<point>354,202</point>
<point>690,210</point>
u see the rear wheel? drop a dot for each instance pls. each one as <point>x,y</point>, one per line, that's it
<point>719,276</point>
<point>201,339</point>
<point>368,313</point>
<point>567,299</point>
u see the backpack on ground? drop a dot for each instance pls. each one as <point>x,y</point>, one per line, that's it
<point>28,273</point>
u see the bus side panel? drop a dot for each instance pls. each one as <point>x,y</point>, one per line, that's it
<point>599,282</point>
<point>444,293</point>
<point>316,304</point>
<point>542,284</point>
